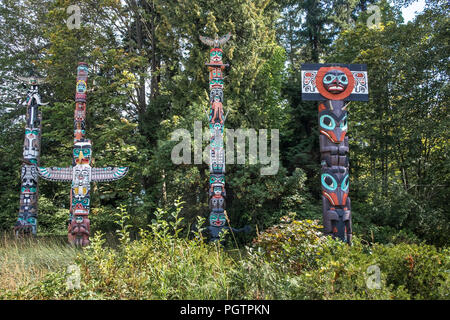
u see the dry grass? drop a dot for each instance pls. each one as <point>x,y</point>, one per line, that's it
<point>27,260</point>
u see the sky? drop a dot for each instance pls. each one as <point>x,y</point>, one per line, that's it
<point>409,12</point>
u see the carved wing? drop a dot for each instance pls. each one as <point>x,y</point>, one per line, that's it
<point>55,173</point>
<point>207,41</point>
<point>225,38</point>
<point>28,79</point>
<point>108,174</point>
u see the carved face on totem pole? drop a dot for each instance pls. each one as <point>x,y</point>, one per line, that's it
<point>335,81</point>
<point>31,143</point>
<point>28,196</point>
<point>217,191</point>
<point>336,203</point>
<point>27,219</point>
<point>216,83</point>
<point>215,55</point>
<point>335,185</point>
<point>216,93</point>
<point>82,152</point>
<point>217,218</point>
<point>333,121</point>
<point>81,182</point>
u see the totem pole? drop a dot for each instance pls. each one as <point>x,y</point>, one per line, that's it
<point>27,220</point>
<point>81,173</point>
<point>334,85</point>
<point>216,119</point>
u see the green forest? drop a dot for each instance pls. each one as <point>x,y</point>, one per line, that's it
<point>148,78</point>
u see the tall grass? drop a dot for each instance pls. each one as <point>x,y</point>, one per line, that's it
<point>27,260</point>
<point>291,260</point>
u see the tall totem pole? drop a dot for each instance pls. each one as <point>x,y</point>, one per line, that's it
<point>334,85</point>
<point>216,118</point>
<point>81,173</point>
<point>27,220</point>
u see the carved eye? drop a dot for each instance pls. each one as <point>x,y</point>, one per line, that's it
<point>344,124</point>
<point>219,53</point>
<point>76,151</point>
<point>329,182</point>
<point>345,183</point>
<point>327,122</point>
<point>343,79</point>
<point>329,78</point>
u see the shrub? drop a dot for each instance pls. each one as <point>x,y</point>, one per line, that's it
<point>291,260</point>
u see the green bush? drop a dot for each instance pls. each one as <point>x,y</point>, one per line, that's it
<point>291,260</point>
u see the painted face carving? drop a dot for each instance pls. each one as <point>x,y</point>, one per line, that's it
<point>81,208</point>
<point>216,83</point>
<point>335,81</point>
<point>81,182</point>
<point>217,179</point>
<point>217,190</point>
<point>335,187</point>
<point>81,86</point>
<point>215,55</point>
<point>82,70</point>
<point>31,143</point>
<point>333,127</point>
<point>217,219</point>
<point>333,121</point>
<point>216,93</point>
<point>82,153</point>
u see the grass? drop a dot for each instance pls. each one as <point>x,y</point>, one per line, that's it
<point>28,260</point>
<point>291,260</point>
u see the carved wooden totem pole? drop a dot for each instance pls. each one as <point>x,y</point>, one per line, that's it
<point>334,85</point>
<point>81,174</point>
<point>27,220</point>
<point>216,118</point>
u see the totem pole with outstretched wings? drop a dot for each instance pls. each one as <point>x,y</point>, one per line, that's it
<point>81,174</point>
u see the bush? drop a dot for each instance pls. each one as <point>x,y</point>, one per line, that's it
<point>291,260</point>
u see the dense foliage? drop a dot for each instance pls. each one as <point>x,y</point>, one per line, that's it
<point>292,260</point>
<point>148,79</point>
